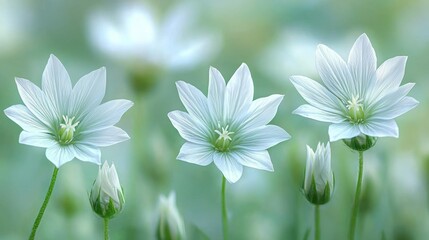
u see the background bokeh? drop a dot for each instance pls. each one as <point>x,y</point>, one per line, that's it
<point>276,39</point>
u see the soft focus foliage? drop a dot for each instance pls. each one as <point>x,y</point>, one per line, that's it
<point>269,36</point>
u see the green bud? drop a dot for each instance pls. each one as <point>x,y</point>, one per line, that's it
<point>361,142</point>
<point>106,197</point>
<point>170,223</point>
<point>319,180</point>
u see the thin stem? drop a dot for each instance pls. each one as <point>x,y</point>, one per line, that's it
<point>106,228</point>
<point>356,201</point>
<point>45,203</point>
<point>317,222</point>
<point>224,214</point>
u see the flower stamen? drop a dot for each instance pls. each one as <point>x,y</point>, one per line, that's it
<point>355,107</point>
<point>224,140</point>
<point>67,130</point>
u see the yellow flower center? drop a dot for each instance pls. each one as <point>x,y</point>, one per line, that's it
<point>67,129</point>
<point>355,107</point>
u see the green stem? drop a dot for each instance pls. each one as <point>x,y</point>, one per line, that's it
<point>224,214</point>
<point>317,222</point>
<point>45,203</point>
<point>106,228</point>
<point>356,201</point>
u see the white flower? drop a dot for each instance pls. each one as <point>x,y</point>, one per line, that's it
<point>170,223</point>
<point>107,198</point>
<point>227,127</point>
<point>358,99</point>
<point>319,179</point>
<point>68,122</point>
<point>133,33</point>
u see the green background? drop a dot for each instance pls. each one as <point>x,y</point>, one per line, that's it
<point>276,39</point>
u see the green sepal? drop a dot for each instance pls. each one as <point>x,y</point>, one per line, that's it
<point>163,232</point>
<point>314,197</point>
<point>361,142</point>
<point>108,210</point>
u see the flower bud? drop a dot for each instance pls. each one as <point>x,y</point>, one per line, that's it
<point>361,142</point>
<point>319,179</point>
<point>106,197</point>
<point>170,223</point>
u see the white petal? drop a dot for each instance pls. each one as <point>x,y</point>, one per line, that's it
<point>87,153</point>
<point>390,100</point>
<point>193,52</point>
<point>317,95</point>
<point>194,101</point>
<point>113,177</point>
<point>196,153</point>
<point>261,138</point>
<point>254,159</point>
<point>403,106</point>
<point>37,139</point>
<point>35,100</point>
<point>59,154</point>
<point>230,167</point>
<point>389,76</point>
<point>112,183</point>
<point>380,128</point>
<point>21,115</point>
<point>176,22</point>
<point>105,115</point>
<point>309,169</point>
<point>362,64</point>
<point>104,137</point>
<point>216,93</point>
<point>189,128</point>
<point>334,72</point>
<point>309,111</point>
<point>239,94</point>
<point>262,111</point>
<point>56,84</point>
<point>87,93</point>
<point>342,130</point>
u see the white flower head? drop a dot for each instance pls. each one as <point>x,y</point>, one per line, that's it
<point>358,98</point>
<point>227,126</point>
<point>107,197</point>
<point>135,33</point>
<point>68,122</point>
<point>319,179</point>
<point>170,223</point>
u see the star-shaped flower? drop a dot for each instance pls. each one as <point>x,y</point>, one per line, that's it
<point>136,34</point>
<point>358,99</point>
<point>227,127</point>
<point>68,122</point>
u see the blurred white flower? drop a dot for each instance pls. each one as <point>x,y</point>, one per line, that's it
<point>107,197</point>
<point>319,179</point>
<point>134,34</point>
<point>170,223</point>
<point>287,53</point>
<point>68,122</point>
<point>358,99</point>
<point>227,127</point>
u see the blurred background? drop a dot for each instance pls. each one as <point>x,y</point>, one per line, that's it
<point>148,45</point>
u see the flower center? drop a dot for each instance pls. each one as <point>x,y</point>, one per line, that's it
<point>67,129</point>
<point>355,107</point>
<point>223,142</point>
